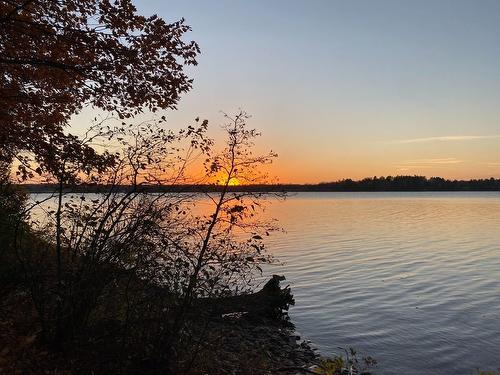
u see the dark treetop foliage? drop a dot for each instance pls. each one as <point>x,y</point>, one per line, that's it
<point>58,56</point>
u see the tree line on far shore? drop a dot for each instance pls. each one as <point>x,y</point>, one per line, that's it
<point>388,183</point>
<point>410,183</point>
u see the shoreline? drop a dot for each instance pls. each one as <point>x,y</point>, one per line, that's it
<point>239,342</point>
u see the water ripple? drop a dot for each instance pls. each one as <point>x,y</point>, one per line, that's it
<point>410,278</point>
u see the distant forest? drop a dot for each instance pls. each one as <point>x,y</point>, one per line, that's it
<point>389,183</point>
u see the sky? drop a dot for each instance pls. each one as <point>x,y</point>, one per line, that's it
<point>349,89</point>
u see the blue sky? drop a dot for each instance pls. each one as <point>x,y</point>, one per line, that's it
<point>352,88</point>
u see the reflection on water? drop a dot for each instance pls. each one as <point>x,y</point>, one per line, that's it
<point>412,279</point>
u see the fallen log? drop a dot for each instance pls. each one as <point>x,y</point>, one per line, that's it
<point>270,302</point>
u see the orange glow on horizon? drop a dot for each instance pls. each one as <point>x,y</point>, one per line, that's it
<point>234,182</point>
<point>221,179</point>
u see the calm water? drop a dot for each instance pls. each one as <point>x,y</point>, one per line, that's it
<point>412,279</point>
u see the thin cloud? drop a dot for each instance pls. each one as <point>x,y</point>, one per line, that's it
<point>432,161</point>
<point>411,167</point>
<point>417,164</point>
<point>448,138</point>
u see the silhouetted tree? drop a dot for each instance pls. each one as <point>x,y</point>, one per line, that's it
<point>143,260</point>
<point>58,56</point>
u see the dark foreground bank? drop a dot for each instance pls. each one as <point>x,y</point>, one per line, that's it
<point>246,334</point>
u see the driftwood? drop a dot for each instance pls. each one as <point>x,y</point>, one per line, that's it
<point>271,302</point>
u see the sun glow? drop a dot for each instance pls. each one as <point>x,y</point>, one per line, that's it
<point>234,182</point>
<point>222,179</point>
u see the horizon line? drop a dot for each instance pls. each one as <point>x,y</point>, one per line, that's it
<point>282,183</point>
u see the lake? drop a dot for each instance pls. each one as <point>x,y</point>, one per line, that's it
<point>412,279</point>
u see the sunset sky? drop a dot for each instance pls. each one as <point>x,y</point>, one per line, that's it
<point>351,88</point>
